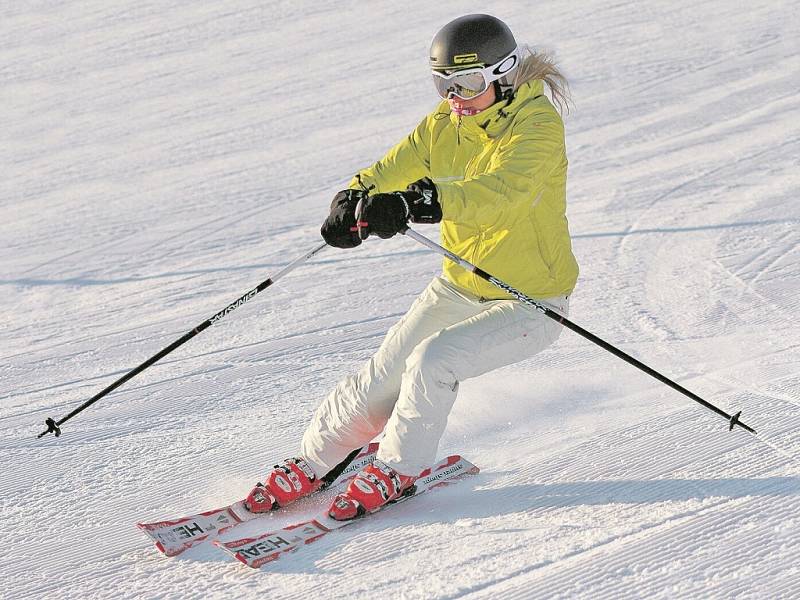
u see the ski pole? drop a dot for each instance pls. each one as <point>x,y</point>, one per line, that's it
<point>55,426</point>
<point>733,420</point>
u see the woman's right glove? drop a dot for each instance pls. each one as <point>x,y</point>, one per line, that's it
<point>339,229</point>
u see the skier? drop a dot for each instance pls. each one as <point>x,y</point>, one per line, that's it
<point>489,164</point>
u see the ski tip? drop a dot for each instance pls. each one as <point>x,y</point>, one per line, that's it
<point>148,527</point>
<point>172,551</point>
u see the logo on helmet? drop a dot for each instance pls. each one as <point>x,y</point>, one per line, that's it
<point>460,59</point>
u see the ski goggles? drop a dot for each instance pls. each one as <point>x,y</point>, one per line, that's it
<point>471,82</point>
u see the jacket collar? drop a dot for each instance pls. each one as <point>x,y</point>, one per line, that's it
<point>493,121</point>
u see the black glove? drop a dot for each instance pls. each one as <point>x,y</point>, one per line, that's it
<point>339,229</point>
<point>382,214</point>
<point>388,214</point>
<point>423,202</point>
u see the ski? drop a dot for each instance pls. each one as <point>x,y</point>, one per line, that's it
<point>178,535</point>
<point>258,551</point>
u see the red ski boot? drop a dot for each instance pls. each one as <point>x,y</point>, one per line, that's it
<point>285,483</point>
<point>376,485</point>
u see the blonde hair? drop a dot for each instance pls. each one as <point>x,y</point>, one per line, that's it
<point>541,65</point>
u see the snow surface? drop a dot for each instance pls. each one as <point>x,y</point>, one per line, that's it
<point>161,158</point>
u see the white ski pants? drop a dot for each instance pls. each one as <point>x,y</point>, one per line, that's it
<point>408,387</point>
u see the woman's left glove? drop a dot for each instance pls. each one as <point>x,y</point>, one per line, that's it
<point>423,201</point>
<point>388,214</point>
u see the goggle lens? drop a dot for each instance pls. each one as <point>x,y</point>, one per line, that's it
<point>463,85</point>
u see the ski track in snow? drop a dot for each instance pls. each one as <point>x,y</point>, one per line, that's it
<point>161,158</point>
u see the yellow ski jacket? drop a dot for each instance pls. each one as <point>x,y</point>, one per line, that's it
<point>501,177</point>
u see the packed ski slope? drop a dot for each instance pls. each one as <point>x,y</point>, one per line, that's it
<point>159,159</point>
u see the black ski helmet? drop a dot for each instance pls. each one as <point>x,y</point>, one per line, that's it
<point>471,41</point>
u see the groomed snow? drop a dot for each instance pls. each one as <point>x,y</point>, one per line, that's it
<point>159,159</point>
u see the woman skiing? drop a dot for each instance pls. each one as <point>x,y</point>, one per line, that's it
<point>490,164</point>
